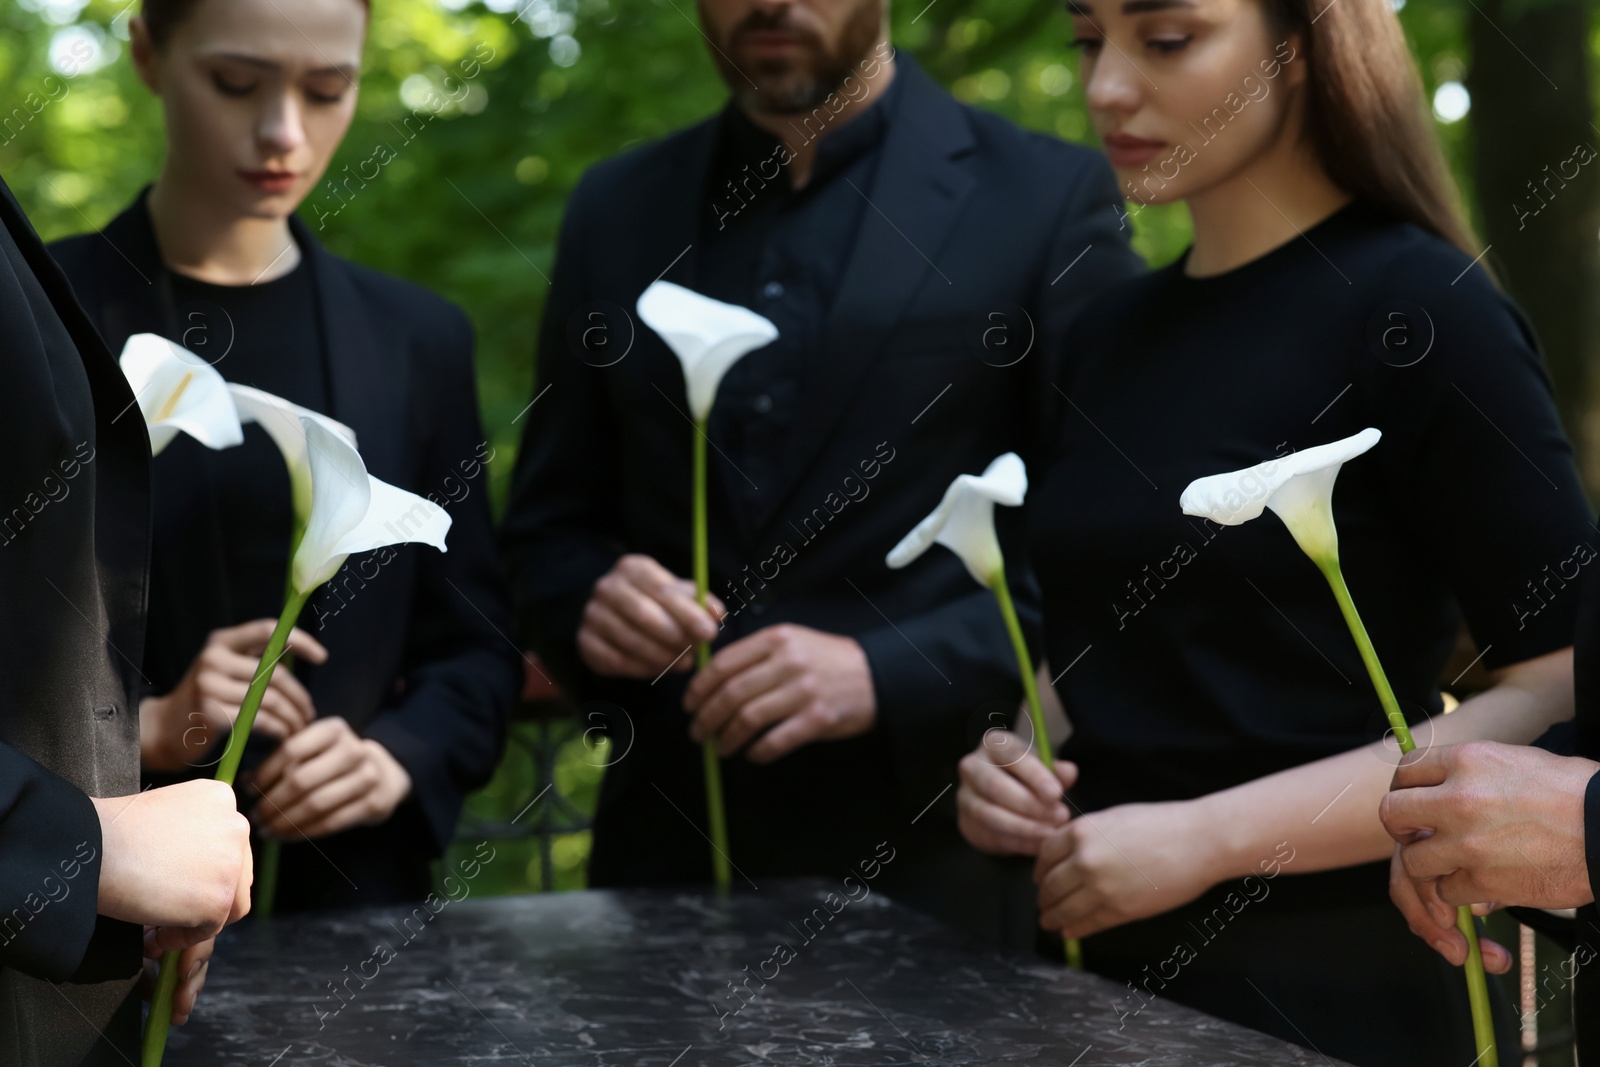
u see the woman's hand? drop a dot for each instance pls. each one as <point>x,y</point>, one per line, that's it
<point>1121,864</point>
<point>1009,802</point>
<point>327,778</point>
<point>176,730</point>
<point>1431,919</point>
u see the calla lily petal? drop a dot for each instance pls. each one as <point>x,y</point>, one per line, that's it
<point>964,520</point>
<point>1297,487</point>
<point>706,335</point>
<point>351,511</point>
<point>177,391</point>
<point>281,420</point>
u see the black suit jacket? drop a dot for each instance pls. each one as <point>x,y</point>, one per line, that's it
<point>1586,930</point>
<point>73,549</point>
<point>419,656</point>
<point>970,217</point>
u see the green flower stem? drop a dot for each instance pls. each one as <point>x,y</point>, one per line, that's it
<point>266,888</point>
<point>267,882</point>
<point>155,1032</point>
<point>1030,686</point>
<point>721,865</point>
<point>1477,982</point>
<point>155,1029</point>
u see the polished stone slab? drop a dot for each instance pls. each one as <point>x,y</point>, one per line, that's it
<point>656,977</point>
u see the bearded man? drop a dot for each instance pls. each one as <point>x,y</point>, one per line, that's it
<point>918,258</point>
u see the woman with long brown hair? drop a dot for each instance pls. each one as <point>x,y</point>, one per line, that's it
<point>1219,843</point>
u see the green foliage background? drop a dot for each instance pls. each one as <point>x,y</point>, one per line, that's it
<point>471,202</point>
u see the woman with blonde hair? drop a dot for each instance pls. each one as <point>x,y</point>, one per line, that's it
<point>395,706</point>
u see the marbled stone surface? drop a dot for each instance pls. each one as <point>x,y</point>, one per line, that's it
<point>643,977</point>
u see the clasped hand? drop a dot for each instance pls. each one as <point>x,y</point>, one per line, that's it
<point>1487,825</point>
<point>1093,871</point>
<point>322,778</point>
<point>775,690</point>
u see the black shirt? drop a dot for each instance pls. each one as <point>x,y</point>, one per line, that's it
<point>780,251</point>
<point>267,336</point>
<point>1211,656</point>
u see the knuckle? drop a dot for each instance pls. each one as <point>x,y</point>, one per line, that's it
<point>1408,863</point>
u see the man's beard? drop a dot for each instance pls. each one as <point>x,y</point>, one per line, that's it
<point>792,86</point>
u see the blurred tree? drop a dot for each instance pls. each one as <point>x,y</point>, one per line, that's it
<point>1538,184</point>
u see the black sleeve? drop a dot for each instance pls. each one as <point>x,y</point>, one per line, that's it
<point>462,672</point>
<point>1477,460</point>
<point>931,715</point>
<point>49,869</point>
<point>1591,833</point>
<point>563,529</point>
<point>936,674</point>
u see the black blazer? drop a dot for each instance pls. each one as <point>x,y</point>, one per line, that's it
<point>900,399</point>
<point>418,653</point>
<point>74,531</point>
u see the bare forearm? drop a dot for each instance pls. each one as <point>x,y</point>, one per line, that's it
<point>1328,810</point>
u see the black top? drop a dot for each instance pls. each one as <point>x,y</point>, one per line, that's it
<point>781,252</point>
<point>1212,655</point>
<point>72,581</point>
<point>263,335</point>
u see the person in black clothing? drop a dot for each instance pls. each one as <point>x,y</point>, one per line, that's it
<point>1495,825</point>
<point>1221,844</point>
<point>87,861</point>
<point>914,255</point>
<point>396,705</point>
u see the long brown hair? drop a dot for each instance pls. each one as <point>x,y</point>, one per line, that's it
<point>1367,114</point>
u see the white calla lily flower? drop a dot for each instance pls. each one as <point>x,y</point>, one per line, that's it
<point>1297,487</point>
<point>351,511</point>
<point>706,335</point>
<point>281,420</point>
<point>964,520</point>
<point>177,391</point>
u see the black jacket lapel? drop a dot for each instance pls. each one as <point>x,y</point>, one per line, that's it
<point>916,195</point>
<point>367,385</point>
